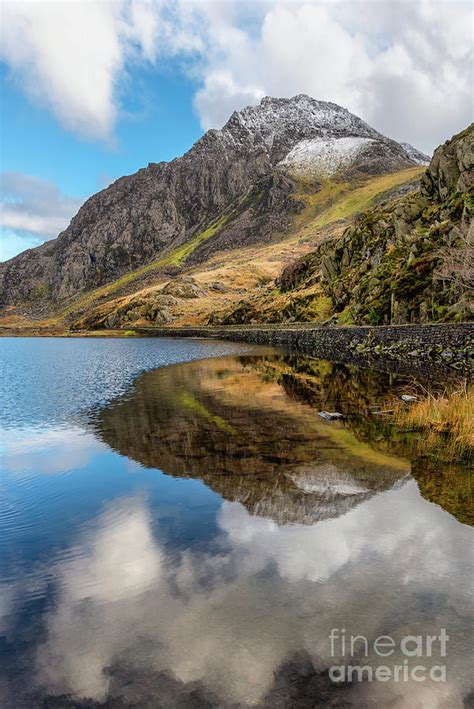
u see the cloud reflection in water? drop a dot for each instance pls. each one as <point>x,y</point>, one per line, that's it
<point>228,619</point>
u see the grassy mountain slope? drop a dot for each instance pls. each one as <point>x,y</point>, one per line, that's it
<point>174,289</point>
<point>239,182</point>
<point>410,258</point>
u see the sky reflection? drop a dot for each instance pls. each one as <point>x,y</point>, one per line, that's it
<point>226,618</point>
<point>193,543</point>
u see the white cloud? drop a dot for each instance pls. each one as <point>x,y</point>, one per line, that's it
<point>67,449</point>
<point>32,210</point>
<point>405,67</point>
<point>66,55</point>
<point>220,95</point>
<point>70,55</point>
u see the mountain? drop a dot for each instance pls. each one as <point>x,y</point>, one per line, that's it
<point>408,259</point>
<point>416,155</point>
<point>236,186</point>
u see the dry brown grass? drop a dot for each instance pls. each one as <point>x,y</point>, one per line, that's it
<point>446,419</point>
<point>327,211</point>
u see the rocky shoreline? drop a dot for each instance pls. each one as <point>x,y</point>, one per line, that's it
<point>409,347</point>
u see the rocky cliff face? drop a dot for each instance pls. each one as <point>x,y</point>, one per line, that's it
<point>243,174</point>
<point>410,259</point>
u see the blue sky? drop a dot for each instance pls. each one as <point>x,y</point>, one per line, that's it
<point>95,90</point>
<point>157,122</point>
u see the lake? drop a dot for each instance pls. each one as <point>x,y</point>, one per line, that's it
<point>180,528</point>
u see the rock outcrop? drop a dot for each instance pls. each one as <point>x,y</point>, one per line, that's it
<point>409,259</point>
<point>240,177</point>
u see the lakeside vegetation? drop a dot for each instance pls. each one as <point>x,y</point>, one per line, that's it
<point>446,420</point>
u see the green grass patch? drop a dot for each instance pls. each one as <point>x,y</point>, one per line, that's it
<point>346,439</point>
<point>189,402</point>
<point>174,258</point>
<point>345,317</point>
<point>359,199</point>
<point>336,201</point>
<point>179,255</point>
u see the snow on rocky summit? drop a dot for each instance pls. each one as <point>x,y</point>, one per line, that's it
<point>309,138</point>
<point>323,157</point>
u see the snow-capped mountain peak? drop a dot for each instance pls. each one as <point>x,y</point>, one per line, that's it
<point>416,155</point>
<point>309,138</point>
<point>284,122</point>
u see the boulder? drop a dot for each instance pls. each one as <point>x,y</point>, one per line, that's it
<point>183,287</point>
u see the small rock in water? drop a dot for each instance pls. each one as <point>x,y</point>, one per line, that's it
<point>408,398</point>
<point>331,415</point>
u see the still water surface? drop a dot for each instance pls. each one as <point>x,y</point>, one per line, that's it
<point>179,528</point>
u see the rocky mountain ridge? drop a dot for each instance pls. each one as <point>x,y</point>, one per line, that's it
<point>234,187</point>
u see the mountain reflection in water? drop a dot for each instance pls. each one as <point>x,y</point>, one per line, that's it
<point>211,532</point>
<point>249,428</point>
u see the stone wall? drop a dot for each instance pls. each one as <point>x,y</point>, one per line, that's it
<point>450,345</point>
